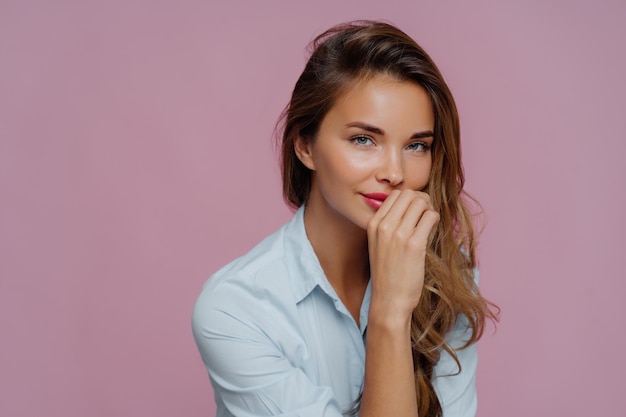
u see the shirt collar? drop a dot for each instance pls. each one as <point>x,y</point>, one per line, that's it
<point>304,267</point>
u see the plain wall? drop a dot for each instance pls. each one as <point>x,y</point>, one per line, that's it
<point>136,157</point>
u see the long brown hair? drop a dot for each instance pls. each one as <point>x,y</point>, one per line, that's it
<point>349,53</point>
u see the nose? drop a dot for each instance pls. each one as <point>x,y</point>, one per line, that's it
<point>390,169</point>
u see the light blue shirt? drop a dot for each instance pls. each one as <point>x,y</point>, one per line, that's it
<point>277,340</point>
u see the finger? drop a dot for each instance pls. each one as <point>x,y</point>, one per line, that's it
<point>391,214</point>
<point>387,204</point>
<point>386,226</point>
<point>381,213</point>
<point>425,226</point>
<point>408,207</point>
<point>417,207</point>
<point>426,197</point>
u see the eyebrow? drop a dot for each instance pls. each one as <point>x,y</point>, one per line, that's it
<point>379,131</point>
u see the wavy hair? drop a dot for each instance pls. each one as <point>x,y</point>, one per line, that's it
<point>340,57</point>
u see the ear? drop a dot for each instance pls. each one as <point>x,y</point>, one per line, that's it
<point>304,152</point>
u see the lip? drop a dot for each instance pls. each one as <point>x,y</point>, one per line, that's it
<point>375,200</point>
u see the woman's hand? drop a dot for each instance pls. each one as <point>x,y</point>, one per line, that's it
<point>398,238</point>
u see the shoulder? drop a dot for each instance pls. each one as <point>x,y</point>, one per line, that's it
<point>253,290</point>
<point>251,272</point>
<point>250,269</point>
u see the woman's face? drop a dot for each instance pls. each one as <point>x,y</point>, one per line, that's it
<point>376,138</point>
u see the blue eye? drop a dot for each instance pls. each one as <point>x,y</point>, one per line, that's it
<point>362,140</point>
<point>419,147</point>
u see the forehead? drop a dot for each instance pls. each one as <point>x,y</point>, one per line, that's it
<point>384,101</point>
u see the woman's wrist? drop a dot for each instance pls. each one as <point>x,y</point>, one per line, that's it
<point>389,318</point>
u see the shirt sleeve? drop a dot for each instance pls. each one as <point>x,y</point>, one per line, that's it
<point>457,390</point>
<point>249,373</point>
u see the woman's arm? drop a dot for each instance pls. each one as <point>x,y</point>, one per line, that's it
<point>389,388</point>
<point>398,237</point>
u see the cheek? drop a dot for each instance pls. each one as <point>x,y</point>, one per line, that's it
<point>420,174</point>
<point>345,166</point>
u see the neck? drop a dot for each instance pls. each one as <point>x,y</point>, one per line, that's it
<point>340,246</point>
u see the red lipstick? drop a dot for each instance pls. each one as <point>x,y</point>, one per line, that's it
<point>375,200</point>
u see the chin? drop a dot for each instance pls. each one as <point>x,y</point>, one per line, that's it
<point>362,221</point>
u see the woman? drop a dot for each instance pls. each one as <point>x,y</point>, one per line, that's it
<point>365,302</point>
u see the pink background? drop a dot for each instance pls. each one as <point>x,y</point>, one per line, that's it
<point>136,158</point>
